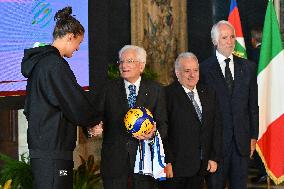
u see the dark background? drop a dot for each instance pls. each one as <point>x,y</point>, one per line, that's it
<point>109,30</point>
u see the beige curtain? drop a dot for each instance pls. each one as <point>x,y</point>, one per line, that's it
<point>160,27</point>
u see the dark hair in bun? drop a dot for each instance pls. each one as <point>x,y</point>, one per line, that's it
<point>66,23</point>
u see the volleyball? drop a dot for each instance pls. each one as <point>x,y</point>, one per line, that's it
<point>139,120</point>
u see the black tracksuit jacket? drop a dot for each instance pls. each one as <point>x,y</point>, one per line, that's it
<point>55,104</point>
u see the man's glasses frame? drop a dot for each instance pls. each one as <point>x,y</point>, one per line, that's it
<point>129,61</point>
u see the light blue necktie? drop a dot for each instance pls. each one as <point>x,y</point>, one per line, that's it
<point>132,96</point>
<point>197,109</point>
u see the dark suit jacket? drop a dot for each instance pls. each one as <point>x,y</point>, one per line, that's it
<point>239,111</point>
<point>253,54</point>
<point>119,147</point>
<point>187,135</point>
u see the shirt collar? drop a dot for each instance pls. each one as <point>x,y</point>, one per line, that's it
<point>221,58</point>
<point>257,45</point>
<point>188,90</point>
<point>136,83</point>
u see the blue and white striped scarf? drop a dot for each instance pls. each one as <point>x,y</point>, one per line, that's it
<point>150,158</point>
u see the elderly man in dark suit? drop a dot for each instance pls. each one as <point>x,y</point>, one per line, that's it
<point>117,97</point>
<point>194,134</point>
<point>234,80</point>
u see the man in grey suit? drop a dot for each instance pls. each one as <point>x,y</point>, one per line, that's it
<point>117,97</point>
<point>195,132</point>
<point>234,80</point>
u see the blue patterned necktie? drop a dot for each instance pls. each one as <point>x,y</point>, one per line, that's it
<point>132,96</point>
<point>197,109</point>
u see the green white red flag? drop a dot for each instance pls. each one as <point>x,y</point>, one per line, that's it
<point>270,78</point>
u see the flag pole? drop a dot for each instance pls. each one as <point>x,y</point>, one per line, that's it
<point>268,182</point>
<point>277,9</point>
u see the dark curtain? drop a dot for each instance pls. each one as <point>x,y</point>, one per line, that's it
<point>109,30</point>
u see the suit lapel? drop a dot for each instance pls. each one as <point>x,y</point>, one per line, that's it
<point>142,94</point>
<point>202,98</point>
<point>141,98</point>
<point>122,93</point>
<point>217,75</point>
<point>182,94</point>
<point>237,74</point>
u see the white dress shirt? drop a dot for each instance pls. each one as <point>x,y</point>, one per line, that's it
<point>196,97</point>
<point>221,59</point>
<point>137,85</point>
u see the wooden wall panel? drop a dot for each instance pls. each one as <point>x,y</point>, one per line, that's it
<point>9,133</point>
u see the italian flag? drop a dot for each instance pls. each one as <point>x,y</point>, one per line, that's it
<point>270,78</point>
<point>234,19</point>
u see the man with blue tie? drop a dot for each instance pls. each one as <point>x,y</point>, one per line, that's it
<point>234,80</point>
<point>194,134</point>
<point>116,98</point>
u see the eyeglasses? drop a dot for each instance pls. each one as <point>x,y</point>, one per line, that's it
<point>129,61</point>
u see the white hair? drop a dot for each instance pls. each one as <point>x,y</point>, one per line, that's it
<point>215,31</point>
<point>184,55</point>
<point>140,52</point>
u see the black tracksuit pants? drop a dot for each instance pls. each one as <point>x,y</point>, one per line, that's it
<point>52,173</point>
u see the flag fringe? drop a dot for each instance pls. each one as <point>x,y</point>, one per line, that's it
<point>269,172</point>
